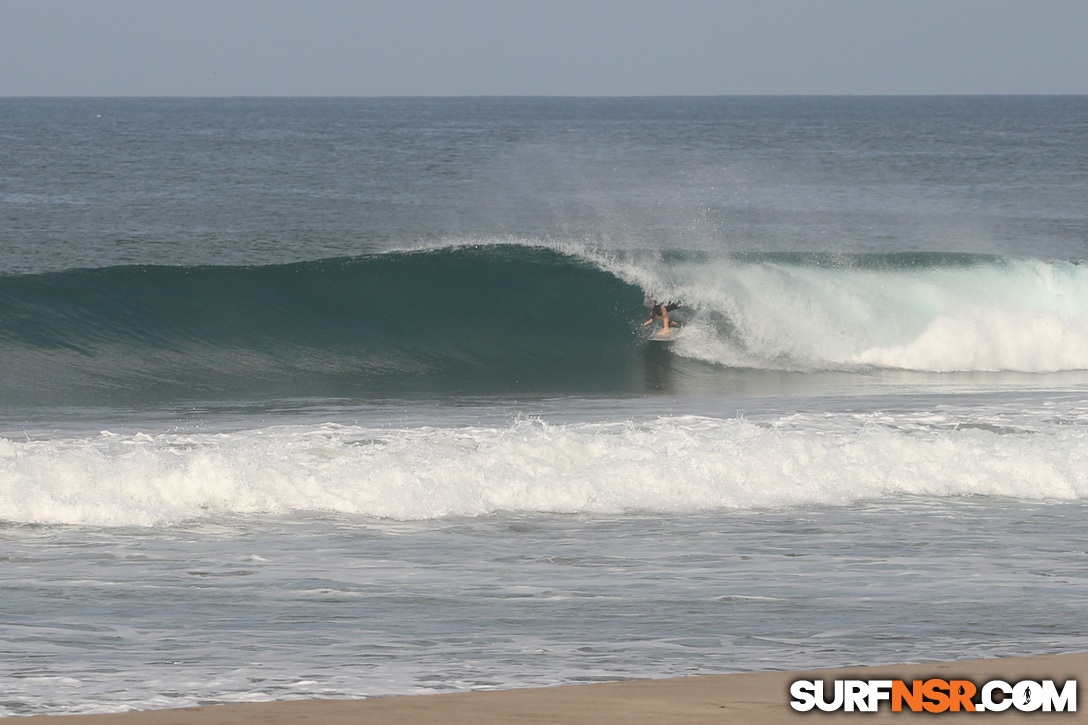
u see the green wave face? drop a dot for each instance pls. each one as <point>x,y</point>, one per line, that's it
<point>464,320</point>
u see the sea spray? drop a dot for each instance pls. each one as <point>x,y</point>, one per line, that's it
<point>923,312</point>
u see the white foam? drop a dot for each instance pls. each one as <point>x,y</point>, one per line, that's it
<point>1003,315</point>
<point>993,339</point>
<point>674,465</point>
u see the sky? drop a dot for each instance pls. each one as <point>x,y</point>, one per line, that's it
<point>541,47</point>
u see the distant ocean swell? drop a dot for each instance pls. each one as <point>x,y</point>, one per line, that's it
<point>502,319</point>
<point>670,465</point>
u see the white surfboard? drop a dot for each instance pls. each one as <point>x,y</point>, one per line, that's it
<point>664,336</point>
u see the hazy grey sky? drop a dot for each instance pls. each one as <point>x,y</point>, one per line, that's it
<point>540,47</point>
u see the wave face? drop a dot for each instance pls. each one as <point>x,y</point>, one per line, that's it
<point>514,319</point>
<point>455,320</point>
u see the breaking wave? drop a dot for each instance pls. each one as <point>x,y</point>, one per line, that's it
<point>672,465</point>
<point>508,318</point>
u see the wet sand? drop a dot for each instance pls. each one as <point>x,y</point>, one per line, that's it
<point>739,698</point>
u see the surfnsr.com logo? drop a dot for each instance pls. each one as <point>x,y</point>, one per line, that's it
<point>934,695</point>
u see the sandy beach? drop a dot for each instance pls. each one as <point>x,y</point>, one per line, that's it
<point>735,698</point>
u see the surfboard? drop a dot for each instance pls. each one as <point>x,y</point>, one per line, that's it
<point>662,336</point>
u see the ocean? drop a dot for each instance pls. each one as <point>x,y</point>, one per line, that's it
<point>327,398</point>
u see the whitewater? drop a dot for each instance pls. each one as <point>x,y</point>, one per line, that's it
<point>669,465</point>
<point>352,397</point>
<point>936,313</point>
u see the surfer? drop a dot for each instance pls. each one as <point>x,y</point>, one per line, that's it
<point>661,312</point>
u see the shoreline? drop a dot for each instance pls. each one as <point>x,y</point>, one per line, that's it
<point>761,697</point>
